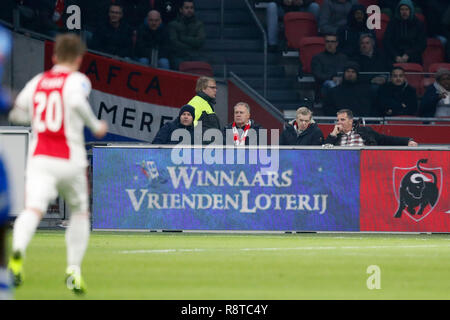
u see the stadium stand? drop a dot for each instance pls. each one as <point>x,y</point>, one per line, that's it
<point>309,47</point>
<point>298,25</point>
<point>380,32</point>
<point>368,3</point>
<point>434,53</point>
<point>197,67</point>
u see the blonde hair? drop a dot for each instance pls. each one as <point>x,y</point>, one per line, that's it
<point>304,111</point>
<point>68,47</point>
<point>202,83</point>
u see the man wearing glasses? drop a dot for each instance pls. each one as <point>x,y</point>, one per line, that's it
<point>203,103</point>
<point>302,131</point>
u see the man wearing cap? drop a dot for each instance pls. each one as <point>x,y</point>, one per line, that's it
<point>351,94</point>
<point>184,121</point>
<point>302,131</point>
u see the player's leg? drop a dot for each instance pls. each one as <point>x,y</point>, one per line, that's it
<point>40,190</point>
<point>75,193</point>
<point>5,275</point>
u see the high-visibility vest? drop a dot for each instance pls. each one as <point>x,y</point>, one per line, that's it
<point>200,105</point>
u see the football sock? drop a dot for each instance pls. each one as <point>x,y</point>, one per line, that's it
<point>77,238</point>
<point>24,228</point>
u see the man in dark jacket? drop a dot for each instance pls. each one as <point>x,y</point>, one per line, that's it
<point>184,121</point>
<point>349,34</point>
<point>152,37</point>
<point>436,100</point>
<point>333,14</point>
<point>187,36</point>
<point>326,65</point>
<point>349,133</point>
<point>405,39</point>
<point>302,131</point>
<point>351,93</point>
<point>397,98</point>
<point>114,36</point>
<point>243,130</point>
<point>373,60</point>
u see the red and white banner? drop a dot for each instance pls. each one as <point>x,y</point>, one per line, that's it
<point>135,100</point>
<point>405,191</point>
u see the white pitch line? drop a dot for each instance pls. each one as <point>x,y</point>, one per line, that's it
<point>281,249</point>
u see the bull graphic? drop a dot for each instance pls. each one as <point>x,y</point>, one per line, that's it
<point>416,189</point>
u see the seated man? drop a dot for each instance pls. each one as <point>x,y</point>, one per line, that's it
<point>351,93</point>
<point>397,97</point>
<point>151,37</point>
<point>333,14</point>
<point>302,131</point>
<point>349,34</point>
<point>244,131</point>
<point>348,133</point>
<point>405,39</point>
<point>184,121</point>
<point>114,36</point>
<point>371,59</point>
<point>436,100</point>
<point>326,65</point>
<point>186,36</point>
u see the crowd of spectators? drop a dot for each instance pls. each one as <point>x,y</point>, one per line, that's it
<point>164,33</point>
<point>160,33</point>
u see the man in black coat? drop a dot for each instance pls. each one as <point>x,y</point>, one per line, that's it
<point>184,121</point>
<point>397,97</point>
<point>351,93</point>
<point>114,36</point>
<point>405,38</point>
<point>243,130</point>
<point>349,133</point>
<point>302,131</point>
<point>150,37</point>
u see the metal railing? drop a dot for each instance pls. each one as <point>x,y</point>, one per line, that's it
<point>264,34</point>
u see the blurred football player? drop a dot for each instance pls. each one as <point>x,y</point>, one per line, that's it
<point>56,104</point>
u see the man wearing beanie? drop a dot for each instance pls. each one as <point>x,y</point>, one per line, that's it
<point>184,121</point>
<point>351,93</point>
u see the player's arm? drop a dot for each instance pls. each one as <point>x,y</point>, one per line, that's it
<point>78,97</point>
<point>23,105</point>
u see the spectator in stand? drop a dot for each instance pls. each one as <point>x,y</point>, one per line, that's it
<point>186,35</point>
<point>405,39</point>
<point>114,36</point>
<point>388,6</point>
<point>397,97</point>
<point>184,121</point>
<point>349,133</point>
<point>326,65</point>
<point>349,34</point>
<point>135,10</point>
<point>37,15</point>
<point>351,93</point>
<point>434,12</point>
<point>243,130</point>
<point>333,14</point>
<point>302,131</point>
<point>276,11</point>
<point>436,100</point>
<point>371,59</point>
<point>153,36</point>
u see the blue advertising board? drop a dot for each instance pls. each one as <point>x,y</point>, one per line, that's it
<point>225,189</point>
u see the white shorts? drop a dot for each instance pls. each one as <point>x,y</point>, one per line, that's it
<point>47,177</point>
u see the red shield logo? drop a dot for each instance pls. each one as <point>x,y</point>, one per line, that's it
<point>417,190</point>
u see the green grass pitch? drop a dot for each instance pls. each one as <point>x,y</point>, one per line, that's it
<point>192,266</point>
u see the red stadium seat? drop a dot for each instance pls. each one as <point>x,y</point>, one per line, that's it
<point>309,47</point>
<point>433,68</point>
<point>434,53</point>
<point>197,67</point>
<point>298,25</point>
<point>436,66</point>
<point>414,80</point>
<point>421,17</point>
<point>379,33</point>
<point>319,2</point>
<point>367,3</point>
